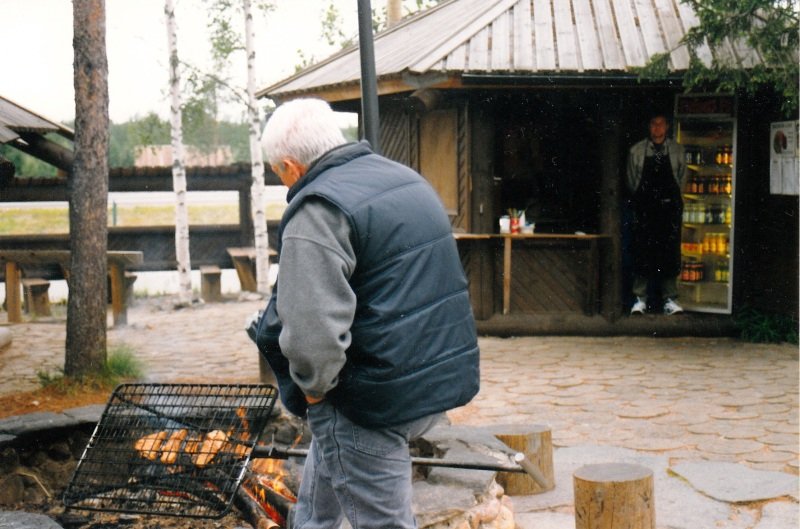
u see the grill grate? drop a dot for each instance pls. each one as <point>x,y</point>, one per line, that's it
<point>206,433</point>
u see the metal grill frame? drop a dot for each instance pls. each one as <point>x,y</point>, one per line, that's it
<point>112,475</point>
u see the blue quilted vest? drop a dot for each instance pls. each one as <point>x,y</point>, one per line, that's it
<point>414,348</point>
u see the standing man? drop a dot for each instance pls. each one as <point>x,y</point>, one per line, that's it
<point>369,329</point>
<point>655,176</point>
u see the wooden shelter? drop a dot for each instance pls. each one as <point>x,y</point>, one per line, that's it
<point>532,104</point>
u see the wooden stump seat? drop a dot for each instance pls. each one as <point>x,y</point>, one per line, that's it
<point>612,495</point>
<point>36,297</point>
<point>535,443</point>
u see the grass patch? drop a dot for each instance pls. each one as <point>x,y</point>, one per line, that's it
<point>759,327</point>
<point>23,221</point>
<point>121,365</point>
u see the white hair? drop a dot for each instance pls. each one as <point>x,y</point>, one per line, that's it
<point>302,130</point>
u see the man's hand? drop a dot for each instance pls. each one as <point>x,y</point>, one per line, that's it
<point>251,324</point>
<point>314,400</point>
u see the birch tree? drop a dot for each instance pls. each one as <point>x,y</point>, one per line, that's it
<point>225,41</point>
<point>178,169</point>
<point>256,159</point>
<point>85,350</point>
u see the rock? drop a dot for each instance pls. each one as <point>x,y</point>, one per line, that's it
<point>5,337</point>
<point>12,490</point>
<point>26,520</point>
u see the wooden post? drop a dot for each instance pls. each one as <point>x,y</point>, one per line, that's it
<point>118,305</point>
<point>614,495</point>
<point>506,274</point>
<point>13,297</point>
<point>210,284</point>
<point>535,442</point>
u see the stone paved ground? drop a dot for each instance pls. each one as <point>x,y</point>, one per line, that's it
<point>665,402</point>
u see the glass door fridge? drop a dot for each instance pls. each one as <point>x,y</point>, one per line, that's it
<point>706,127</point>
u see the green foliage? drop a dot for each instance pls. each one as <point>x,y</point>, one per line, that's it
<point>121,365</point>
<point>769,27</point>
<point>26,166</point>
<point>756,326</point>
<point>334,34</point>
<point>200,129</point>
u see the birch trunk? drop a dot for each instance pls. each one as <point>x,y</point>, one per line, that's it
<point>178,168</point>
<point>394,12</point>
<point>256,159</point>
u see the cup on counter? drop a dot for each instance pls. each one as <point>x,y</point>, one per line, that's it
<point>505,224</point>
<point>528,229</point>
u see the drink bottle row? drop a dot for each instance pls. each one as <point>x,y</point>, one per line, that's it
<point>697,213</point>
<point>695,272</point>
<point>722,156</point>
<point>712,243</point>
<point>710,184</point>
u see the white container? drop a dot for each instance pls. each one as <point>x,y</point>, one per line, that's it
<point>505,224</point>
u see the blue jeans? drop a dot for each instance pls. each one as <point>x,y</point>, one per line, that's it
<point>357,472</point>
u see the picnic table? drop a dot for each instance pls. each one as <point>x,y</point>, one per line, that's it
<point>15,261</point>
<point>244,261</point>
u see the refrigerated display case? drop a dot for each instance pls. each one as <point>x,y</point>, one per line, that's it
<point>706,127</point>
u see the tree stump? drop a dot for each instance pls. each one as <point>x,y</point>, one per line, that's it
<point>535,442</point>
<point>614,496</point>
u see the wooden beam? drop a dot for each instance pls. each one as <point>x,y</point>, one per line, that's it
<point>40,147</point>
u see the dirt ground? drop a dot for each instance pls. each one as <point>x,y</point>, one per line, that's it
<point>51,399</point>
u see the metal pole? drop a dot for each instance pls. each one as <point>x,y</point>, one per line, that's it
<point>369,83</point>
<point>517,462</point>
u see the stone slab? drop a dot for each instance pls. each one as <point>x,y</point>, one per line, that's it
<point>678,505</point>
<point>34,422</point>
<point>438,503</point>
<point>86,414</point>
<point>545,520</point>
<point>779,515</point>
<point>734,483</point>
<point>26,520</point>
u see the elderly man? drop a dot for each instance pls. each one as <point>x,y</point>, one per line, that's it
<point>369,330</point>
<point>655,175</point>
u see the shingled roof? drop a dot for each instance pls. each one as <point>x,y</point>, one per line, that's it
<point>16,119</point>
<point>500,37</point>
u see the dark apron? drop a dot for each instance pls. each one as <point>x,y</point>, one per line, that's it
<point>658,208</point>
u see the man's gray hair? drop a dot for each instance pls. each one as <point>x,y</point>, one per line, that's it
<point>302,130</point>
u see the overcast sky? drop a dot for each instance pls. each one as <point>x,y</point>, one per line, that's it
<point>36,40</point>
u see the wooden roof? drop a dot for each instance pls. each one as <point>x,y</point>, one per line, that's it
<point>499,37</point>
<point>16,119</point>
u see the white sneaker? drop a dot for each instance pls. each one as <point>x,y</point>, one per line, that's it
<point>639,307</point>
<point>670,307</point>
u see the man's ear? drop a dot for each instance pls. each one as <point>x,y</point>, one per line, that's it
<point>289,171</point>
<point>294,169</point>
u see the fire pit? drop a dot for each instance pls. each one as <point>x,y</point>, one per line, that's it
<point>195,450</point>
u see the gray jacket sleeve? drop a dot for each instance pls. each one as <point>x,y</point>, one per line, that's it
<point>316,304</point>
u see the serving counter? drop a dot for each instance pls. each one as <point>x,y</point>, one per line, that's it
<point>535,273</point>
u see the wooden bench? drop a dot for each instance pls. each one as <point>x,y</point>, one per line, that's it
<point>210,284</point>
<point>15,260</point>
<point>36,297</point>
<point>244,261</point>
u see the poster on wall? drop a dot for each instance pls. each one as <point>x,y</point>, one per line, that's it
<point>784,169</point>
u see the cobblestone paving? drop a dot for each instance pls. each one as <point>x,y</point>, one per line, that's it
<point>689,398</point>
<point>685,399</point>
